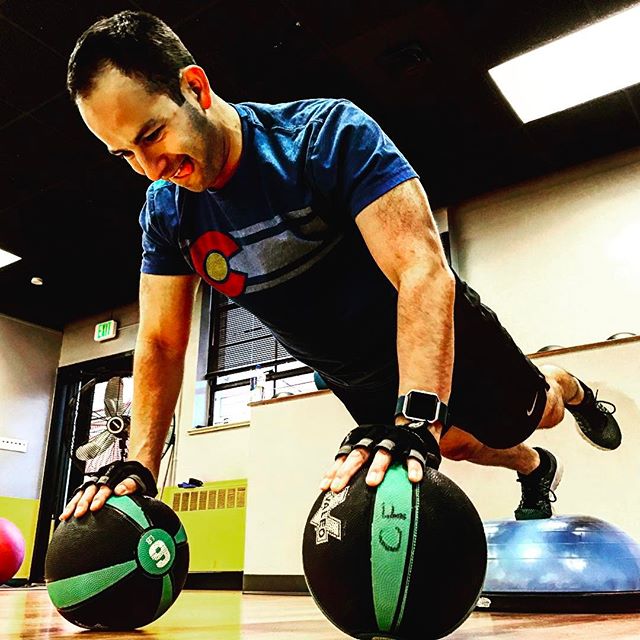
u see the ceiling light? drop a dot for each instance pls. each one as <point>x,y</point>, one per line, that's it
<point>37,281</point>
<point>595,61</point>
<point>7,258</point>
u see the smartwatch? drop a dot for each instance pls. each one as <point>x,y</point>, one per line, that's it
<point>422,405</point>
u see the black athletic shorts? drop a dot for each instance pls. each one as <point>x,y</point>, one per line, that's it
<point>498,395</point>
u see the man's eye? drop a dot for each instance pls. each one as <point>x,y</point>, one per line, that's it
<point>153,136</point>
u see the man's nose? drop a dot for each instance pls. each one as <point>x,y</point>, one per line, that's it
<point>154,167</point>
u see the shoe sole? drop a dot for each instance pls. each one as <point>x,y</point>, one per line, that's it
<point>557,477</point>
<point>556,481</point>
<point>588,440</point>
<point>582,434</point>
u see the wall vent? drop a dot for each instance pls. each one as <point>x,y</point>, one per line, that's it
<point>210,499</point>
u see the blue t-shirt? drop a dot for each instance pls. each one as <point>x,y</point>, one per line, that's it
<point>280,238</point>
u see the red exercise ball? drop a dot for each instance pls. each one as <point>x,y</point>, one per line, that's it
<point>11,550</point>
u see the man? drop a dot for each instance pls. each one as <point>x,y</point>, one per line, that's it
<point>309,216</point>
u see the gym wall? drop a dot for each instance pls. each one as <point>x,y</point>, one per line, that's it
<point>28,362</point>
<point>557,259</point>
<point>78,344</point>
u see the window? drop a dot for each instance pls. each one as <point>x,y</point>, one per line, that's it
<point>238,343</point>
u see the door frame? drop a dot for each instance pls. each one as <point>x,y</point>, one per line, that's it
<point>59,474</point>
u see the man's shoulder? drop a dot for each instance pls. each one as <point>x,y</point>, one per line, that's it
<point>292,115</point>
<point>161,198</point>
<point>161,189</point>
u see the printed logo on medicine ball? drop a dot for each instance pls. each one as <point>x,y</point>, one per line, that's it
<point>327,525</point>
<point>210,255</point>
<point>156,552</point>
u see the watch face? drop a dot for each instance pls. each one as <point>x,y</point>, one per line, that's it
<point>421,405</point>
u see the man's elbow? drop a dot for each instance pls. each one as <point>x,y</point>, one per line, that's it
<point>428,275</point>
<point>169,344</point>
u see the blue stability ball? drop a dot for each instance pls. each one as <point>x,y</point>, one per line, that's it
<point>569,563</point>
<point>319,381</point>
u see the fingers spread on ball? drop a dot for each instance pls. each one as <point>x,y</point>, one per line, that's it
<point>71,506</point>
<point>379,466</point>
<point>100,498</point>
<point>414,469</point>
<point>349,468</point>
<point>128,485</point>
<point>331,473</point>
<point>84,501</point>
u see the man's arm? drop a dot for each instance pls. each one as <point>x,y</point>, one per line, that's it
<point>166,305</point>
<point>402,237</point>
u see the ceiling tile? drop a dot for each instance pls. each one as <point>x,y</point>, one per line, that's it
<point>595,129</point>
<point>57,24</point>
<point>336,21</point>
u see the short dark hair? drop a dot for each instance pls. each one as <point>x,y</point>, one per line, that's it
<point>136,43</point>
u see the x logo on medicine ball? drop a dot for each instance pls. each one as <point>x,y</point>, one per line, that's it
<point>326,525</point>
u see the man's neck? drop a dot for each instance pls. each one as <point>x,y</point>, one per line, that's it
<point>232,128</point>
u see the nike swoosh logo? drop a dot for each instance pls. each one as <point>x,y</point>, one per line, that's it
<point>533,406</point>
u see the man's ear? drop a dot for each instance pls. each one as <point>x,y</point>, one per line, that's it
<point>194,82</point>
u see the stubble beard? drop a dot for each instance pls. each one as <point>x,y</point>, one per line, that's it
<point>208,148</point>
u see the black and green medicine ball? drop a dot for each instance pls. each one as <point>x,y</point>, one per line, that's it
<point>401,561</point>
<point>120,567</point>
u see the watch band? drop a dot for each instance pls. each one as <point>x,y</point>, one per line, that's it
<point>441,414</point>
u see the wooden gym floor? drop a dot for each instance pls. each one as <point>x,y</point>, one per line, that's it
<point>27,614</point>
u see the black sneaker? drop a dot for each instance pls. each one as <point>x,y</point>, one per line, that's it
<point>538,490</point>
<point>595,420</point>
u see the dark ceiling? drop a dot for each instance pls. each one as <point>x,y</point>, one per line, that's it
<point>419,67</point>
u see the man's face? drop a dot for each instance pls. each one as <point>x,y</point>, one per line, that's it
<point>152,133</point>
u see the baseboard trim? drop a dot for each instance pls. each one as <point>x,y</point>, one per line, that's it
<point>221,580</point>
<point>275,584</point>
<point>17,582</point>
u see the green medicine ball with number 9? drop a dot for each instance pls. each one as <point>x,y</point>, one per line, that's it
<point>402,561</point>
<point>120,567</point>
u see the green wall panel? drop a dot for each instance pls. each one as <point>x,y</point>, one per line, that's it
<point>214,517</point>
<point>23,513</point>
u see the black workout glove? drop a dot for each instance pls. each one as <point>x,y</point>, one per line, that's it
<point>401,441</point>
<point>113,474</point>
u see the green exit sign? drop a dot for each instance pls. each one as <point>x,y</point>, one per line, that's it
<point>105,331</point>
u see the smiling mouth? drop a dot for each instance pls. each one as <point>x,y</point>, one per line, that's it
<point>184,169</point>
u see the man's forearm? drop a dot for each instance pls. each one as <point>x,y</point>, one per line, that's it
<point>157,376</point>
<point>426,296</point>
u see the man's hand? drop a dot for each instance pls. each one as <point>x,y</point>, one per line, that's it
<point>93,498</point>
<point>120,477</point>
<point>345,467</point>
<point>417,445</point>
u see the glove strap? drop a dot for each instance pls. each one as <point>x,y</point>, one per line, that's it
<point>111,475</point>
<point>401,441</point>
